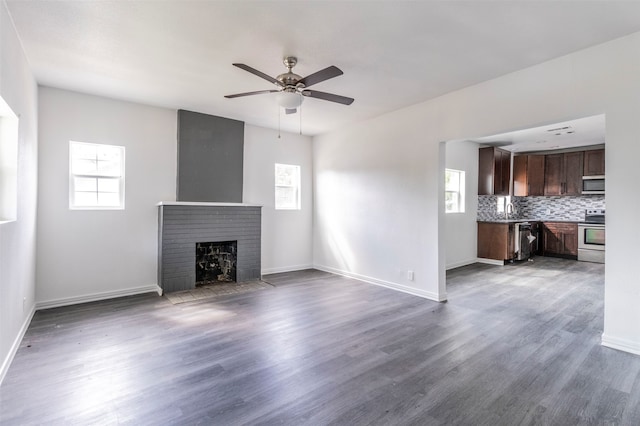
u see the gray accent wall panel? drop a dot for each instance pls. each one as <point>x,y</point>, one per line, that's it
<point>181,227</point>
<point>210,158</point>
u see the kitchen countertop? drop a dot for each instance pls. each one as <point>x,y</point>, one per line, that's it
<point>527,220</point>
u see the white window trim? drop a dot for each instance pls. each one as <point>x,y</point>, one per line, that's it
<point>297,185</point>
<point>121,179</point>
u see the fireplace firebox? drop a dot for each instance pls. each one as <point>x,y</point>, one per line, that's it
<point>216,262</point>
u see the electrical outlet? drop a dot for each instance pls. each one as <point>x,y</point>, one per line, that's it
<point>410,275</point>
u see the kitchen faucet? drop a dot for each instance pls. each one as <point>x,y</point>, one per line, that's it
<point>508,209</point>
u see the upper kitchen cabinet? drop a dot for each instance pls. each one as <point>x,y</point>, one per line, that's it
<point>494,171</point>
<point>563,173</point>
<point>528,175</point>
<point>594,163</point>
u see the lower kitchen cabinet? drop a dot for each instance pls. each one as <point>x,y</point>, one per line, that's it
<point>560,239</point>
<point>495,241</point>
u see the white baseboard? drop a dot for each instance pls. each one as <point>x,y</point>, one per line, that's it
<point>6,363</point>
<point>388,284</point>
<point>461,264</point>
<point>490,261</point>
<point>98,296</point>
<point>625,345</point>
<point>278,270</point>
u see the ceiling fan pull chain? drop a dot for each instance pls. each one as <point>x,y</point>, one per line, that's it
<point>278,122</point>
<point>300,112</point>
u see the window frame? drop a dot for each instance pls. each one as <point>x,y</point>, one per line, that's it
<point>73,205</point>
<point>297,186</point>
<point>459,193</point>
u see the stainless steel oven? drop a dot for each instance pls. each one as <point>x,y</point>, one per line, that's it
<point>591,237</point>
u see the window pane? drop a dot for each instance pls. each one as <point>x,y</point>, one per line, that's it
<point>83,184</point>
<point>108,199</point>
<point>84,167</point>
<point>109,185</point>
<point>109,168</point>
<point>451,202</point>
<point>83,151</point>
<point>452,181</point>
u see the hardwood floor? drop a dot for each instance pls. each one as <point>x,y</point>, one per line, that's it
<point>514,345</point>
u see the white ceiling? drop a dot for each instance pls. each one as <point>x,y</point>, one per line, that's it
<point>567,134</point>
<point>178,54</point>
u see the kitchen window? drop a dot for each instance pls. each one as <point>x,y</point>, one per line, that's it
<point>287,187</point>
<point>96,176</point>
<point>454,191</point>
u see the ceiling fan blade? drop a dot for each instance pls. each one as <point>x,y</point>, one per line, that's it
<point>258,73</point>
<point>258,92</point>
<point>290,110</point>
<point>321,75</point>
<point>328,97</point>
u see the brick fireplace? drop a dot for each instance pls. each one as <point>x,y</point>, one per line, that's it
<point>184,225</point>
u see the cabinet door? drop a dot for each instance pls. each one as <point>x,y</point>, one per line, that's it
<point>495,241</point>
<point>520,180</point>
<point>535,174</point>
<point>528,175</point>
<point>594,163</point>
<point>551,241</point>
<point>494,170</point>
<point>504,178</point>
<point>553,174</point>
<point>486,166</point>
<point>560,240</point>
<point>573,173</point>
<point>571,239</point>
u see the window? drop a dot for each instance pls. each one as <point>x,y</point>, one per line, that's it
<point>96,178</point>
<point>454,191</point>
<point>287,187</point>
<point>8,163</point>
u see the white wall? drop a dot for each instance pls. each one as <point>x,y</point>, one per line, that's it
<point>461,228</point>
<point>286,234</point>
<point>86,254</point>
<point>18,239</point>
<point>374,216</point>
<point>378,203</point>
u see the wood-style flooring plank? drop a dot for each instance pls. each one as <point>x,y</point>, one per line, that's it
<point>514,345</point>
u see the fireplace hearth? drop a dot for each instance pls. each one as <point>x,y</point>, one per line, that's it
<point>216,262</point>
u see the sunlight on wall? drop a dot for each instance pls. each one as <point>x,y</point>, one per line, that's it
<point>339,245</point>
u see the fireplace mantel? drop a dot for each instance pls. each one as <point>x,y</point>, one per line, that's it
<point>205,204</point>
<point>183,224</point>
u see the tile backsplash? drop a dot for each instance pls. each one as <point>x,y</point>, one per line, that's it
<point>547,207</point>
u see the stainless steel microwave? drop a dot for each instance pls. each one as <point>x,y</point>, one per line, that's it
<point>593,184</point>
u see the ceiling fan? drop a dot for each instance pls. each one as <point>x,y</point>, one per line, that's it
<point>292,88</point>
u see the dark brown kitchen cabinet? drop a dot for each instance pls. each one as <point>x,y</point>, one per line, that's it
<point>563,173</point>
<point>594,163</point>
<point>560,239</point>
<point>494,171</point>
<point>528,175</point>
<point>495,241</point>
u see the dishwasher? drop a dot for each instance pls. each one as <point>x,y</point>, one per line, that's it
<point>523,240</point>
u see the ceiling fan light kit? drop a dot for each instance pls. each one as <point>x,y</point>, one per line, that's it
<point>289,100</point>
